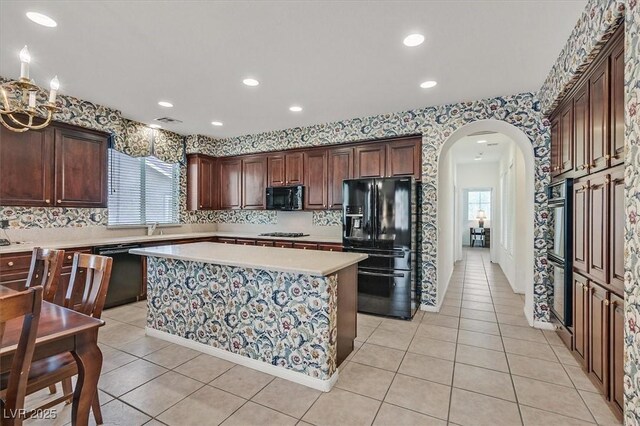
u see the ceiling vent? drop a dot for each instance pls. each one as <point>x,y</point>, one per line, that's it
<point>168,120</point>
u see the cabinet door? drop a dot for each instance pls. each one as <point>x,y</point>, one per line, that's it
<point>254,182</point>
<point>616,351</point>
<point>26,167</point>
<point>598,346</point>
<point>201,183</point>
<point>294,168</point>
<point>340,168</point>
<point>315,179</point>
<point>329,247</point>
<point>305,246</point>
<point>599,116</point>
<point>403,158</point>
<point>598,227</point>
<point>617,103</point>
<point>565,159</point>
<point>370,160</point>
<point>275,170</point>
<point>580,320</point>
<point>555,146</point>
<point>581,131</point>
<point>581,225</point>
<point>80,168</point>
<point>617,217</point>
<point>230,183</point>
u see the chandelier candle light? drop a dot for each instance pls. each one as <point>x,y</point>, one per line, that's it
<point>23,100</point>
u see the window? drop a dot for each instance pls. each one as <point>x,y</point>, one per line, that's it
<point>142,190</point>
<point>479,200</point>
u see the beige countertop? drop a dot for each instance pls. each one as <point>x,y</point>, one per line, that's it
<point>107,241</point>
<point>310,262</point>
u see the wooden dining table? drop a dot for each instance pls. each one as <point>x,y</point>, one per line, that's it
<point>62,330</point>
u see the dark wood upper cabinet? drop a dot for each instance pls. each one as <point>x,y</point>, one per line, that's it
<point>80,168</point>
<point>599,116</point>
<point>404,158</point>
<point>230,183</point>
<point>580,320</point>
<point>598,345</point>
<point>617,217</point>
<point>26,167</point>
<point>565,154</point>
<point>340,168</point>
<point>254,182</point>
<point>581,131</point>
<point>555,146</point>
<point>581,225</point>
<point>617,102</point>
<point>315,179</point>
<point>294,168</point>
<point>616,352</point>
<point>285,169</point>
<point>598,213</point>
<point>276,170</point>
<point>202,182</point>
<point>370,161</point>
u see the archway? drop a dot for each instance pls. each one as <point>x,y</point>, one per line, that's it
<point>446,252</point>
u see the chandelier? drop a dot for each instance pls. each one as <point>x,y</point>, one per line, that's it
<point>19,100</point>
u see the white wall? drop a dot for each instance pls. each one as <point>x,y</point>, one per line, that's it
<point>446,224</point>
<point>512,218</point>
<point>478,175</point>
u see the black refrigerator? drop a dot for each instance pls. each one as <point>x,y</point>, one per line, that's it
<point>381,219</point>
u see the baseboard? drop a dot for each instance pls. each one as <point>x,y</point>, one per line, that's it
<point>293,376</point>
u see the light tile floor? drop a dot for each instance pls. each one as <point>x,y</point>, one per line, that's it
<point>476,362</point>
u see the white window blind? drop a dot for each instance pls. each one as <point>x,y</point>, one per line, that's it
<point>478,200</point>
<point>142,190</point>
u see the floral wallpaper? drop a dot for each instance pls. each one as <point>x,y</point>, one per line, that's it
<point>53,217</point>
<point>632,224</point>
<point>327,218</point>
<point>284,319</point>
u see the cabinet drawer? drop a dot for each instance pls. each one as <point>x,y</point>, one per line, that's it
<point>330,247</point>
<point>68,255</point>
<point>15,262</point>
<point>264,243</point>
<point>283,244</point>
<point>227,240</point>
<point>305,246</point>
<point>245,242</point>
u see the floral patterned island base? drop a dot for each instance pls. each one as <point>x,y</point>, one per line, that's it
<point>284,319</point>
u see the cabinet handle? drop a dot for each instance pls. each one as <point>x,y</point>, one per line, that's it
<point>304,248</point>
<point>586,166</point>
<point>607,180</point>
<point>582,167</point>
<point>10,264</point>
<point>607,157</point>
<point>69,257</point>
<point>585,288</point>
<point>606,302</point>
<point>48,201</point>
<point>330,249</point>
<point>584,186</point>
<point>593,165</point>
<point>59,201</point>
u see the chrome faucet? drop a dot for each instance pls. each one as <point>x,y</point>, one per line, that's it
<point>151,228</point>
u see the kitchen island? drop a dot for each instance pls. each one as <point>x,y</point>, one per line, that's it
<point>290,313</point>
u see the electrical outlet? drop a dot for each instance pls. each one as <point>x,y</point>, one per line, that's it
<point>4,223</point>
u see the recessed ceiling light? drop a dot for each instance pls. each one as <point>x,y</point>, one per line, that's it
<point>295,108</point>
<point>428,84</point>
<point>250,82</point>
<point>154,126</point>
<point>216,123</point>
<point>41,19</point>
<point>478,158</point>
<point>413,40</point>
<point>482,141</point>
<point>165,104</point>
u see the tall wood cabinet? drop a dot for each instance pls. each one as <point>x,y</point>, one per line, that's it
<point>340,168</point>
<point>202,173</point>
<point>60,165</point>
<point>315,179</point>
<point>230,183</point>
<point>254,182</point>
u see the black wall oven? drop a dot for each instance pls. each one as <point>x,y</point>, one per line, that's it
<point>559,249</point>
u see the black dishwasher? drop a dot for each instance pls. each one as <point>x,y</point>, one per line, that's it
<point>126,274</point>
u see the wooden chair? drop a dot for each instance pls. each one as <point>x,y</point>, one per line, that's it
<point>45,268</point>
<point>26,303</point>
<point>86,294</point>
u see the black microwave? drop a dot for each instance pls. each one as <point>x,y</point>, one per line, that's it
<point>285,197</point>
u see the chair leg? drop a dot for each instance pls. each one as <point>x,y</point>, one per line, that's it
<point>97,412</point>
<point>67,389</point>
<point>52,389</point>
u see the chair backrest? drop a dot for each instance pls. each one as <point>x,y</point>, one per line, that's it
<point>88,284</point>
<point>46,265</point>
<point>26,303</point>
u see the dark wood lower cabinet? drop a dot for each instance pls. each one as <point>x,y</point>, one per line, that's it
<point>306,246</point>
<point>598,335</point>
<point>616,353</point>
<point>580,319</point>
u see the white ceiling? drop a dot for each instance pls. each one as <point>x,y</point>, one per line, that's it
<point>466,149</point>
<point>337,59</point>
